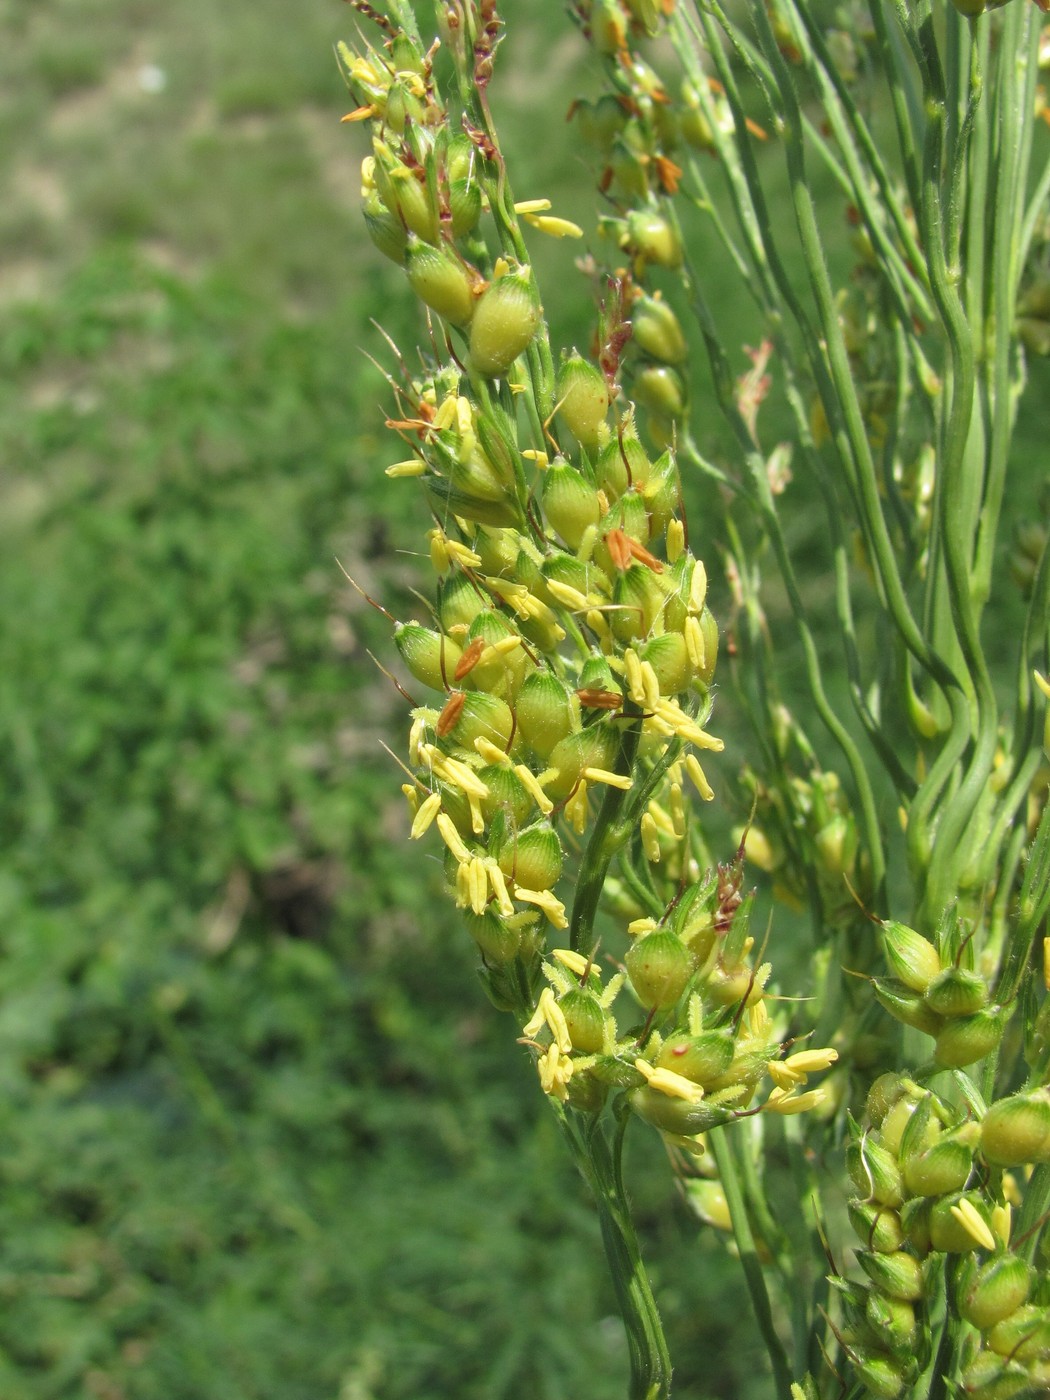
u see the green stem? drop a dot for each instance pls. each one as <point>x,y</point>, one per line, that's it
<point>749,1261</point>
<point>606,839</point>
<point>600,1163</point>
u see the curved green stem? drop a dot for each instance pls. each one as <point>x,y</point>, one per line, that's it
<point>600,1162</point>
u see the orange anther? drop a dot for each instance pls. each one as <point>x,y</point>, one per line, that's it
<point>619,548</point>
<point>669,173</point>
<point>599,699</point>
<point>470,658</point>
<point>449,716</point>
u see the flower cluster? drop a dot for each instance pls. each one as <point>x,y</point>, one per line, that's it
<point>569,649</point>
<point>929,1183</point>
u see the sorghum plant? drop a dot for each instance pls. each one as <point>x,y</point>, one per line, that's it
<point>568,658</point>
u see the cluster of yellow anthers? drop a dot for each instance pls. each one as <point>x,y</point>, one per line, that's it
<point>697,1071</point>
<point>933,1179</point>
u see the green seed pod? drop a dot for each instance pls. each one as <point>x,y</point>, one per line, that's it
<point>675,1116</point>
<point>497,942</point>
<point>836,843</point>
<point>602,121</point>
<point>507,794</point>
<point>570,502</point>
<point>596,674</point>
<point>944,1167</point>
<point>669,657</point>
<point>385,229</point>
<point>593,747</point>
<point>657,331</point>
<point>1016,1130</point>
<point>1024,1336</point>
<point>628,515</point>
<point>652,239</point>
<point>622,463</point>
<point>955,992</point>
<point>660,967</point>
<point>408,195</point>
<point>439,279</point>
<point>464,202</point>
<point>912,959</point>
<point>695,127</point>
<point>883,1377</point>
<point>637,600</point>
<point>883,1094</point>
<point>583,401</point>
<point>584,1019</point>
<point>661,390</point>
<point>498,551</point>
<point>547,712</point>
<point>662,493</point>
<point>905,1005</point>
<point>948,1234</point>
<point>989,1377</point>
<point>893,1320</point>
<point>898,1275</point>
<point>429,656</point>
<point>877,1226</point>
<point>481,716</point>
<point>874,1172</point>
<point>701,1058</point>
<point>915,1221</point>
<point>460,601</point>
<point>709,629</point>
<point>969,1039</point>
<point>472,490</point>
<point>586,1092</point>
<point>506,317</point>
<point>988,1294</point>
<point>898,1120</point>
<point>533,857</point>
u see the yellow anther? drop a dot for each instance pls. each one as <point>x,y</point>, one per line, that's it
<point>635,684</point>
<point>452,838</point>
<point>1002,1220</point>
<point>555,1071</point>
<point>532,206</point>
<point>569,958</point>
<point>412,467</point>
<point>479,885</point>
<point>568,596</point>
<point>696,773</point>
<point>650,686</point>
<point>787,1103</point>
<point>447,413</point>
<point>698,588</point>
<point>576,809</point>
<point>539,1016</point>
<point>645,925</point>
<point>531,785</point>
<point>661,818</point>
<point>553,226</point>
<point>805,1062</point>
<point>558,1026</point>
<point>549,903</point>
<point>675,540</point>
<point>696,648</point>
<point>975,1225</point>
<point>782,1075</point>
<point>665,1081</point>
<point>491,752</point>
<point>499,888</point>
<point>425,815</point>
<point>533,454</point>
<point>678,812</point>
<point>602,775</point>
<point>650,838</point>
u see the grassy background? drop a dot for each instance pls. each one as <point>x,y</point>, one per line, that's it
<point>262,1137</point>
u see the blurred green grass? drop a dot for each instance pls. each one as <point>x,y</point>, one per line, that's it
<point>261,1136</point>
